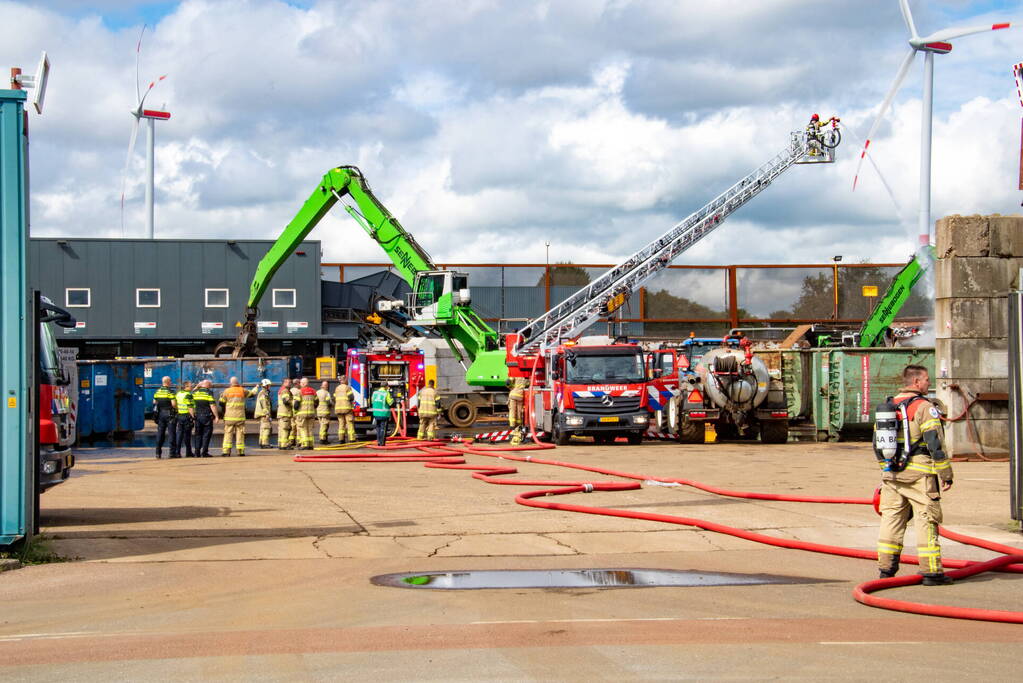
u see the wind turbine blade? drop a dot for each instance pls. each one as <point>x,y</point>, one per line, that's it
<point>151,86</point>
<point>896,84</point>
<point>127,165</point>
<point>907,17</point>
<point>952,33</point>
<point>138,52</point>
<point>884,181</point>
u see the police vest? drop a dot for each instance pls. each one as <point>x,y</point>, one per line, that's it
<point>184,399</point>
<point>163,398</point>
<point>203,403</point>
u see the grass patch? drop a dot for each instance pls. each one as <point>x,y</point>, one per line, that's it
<point>35,551</point>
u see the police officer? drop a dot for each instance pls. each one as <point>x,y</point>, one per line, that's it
<point>285,417</point>
<point>164,409</point>
<point>428,409</point>
<point>344,407</point>
<point>306,413</point>
<point>323,403</point>
<point>381,403</point>
<point>206,415</point>
<point>183,423</point>
<point>915,491</point>
<point>264,413</point>
<point>233,399</point>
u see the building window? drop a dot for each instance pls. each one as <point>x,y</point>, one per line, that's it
<point>78,297</point>
<point>284,298</point>
<point>147,298</point>
<point>217,298</point>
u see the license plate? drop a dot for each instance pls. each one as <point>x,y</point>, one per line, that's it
<point>609,419</point>
<point>363,419</point>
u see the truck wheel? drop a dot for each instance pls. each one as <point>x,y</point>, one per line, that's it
<point>559,437</point>
<point>673,415</point>
<point>774,432</point>
<point>691,432</point>
<point>461,413</point>
<point>635,438</point>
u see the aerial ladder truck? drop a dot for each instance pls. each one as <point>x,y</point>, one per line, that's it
<point>604,402</point>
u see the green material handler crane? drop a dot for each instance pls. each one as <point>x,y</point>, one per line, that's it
<point>440,299</point>
<point>872,333</point>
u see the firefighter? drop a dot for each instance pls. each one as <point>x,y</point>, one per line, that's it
<point>233,399</point>
<point>305,414</point>
<point>323,403</point>
<point>285,417</point>
<point>206,415</point>
<point>183,423</point>
<point>428,411</point>
<point>515,404</point>
<point>164,408</point>
<point>344,407</point>
<point>916,490</point>
<point>813,132</point>
<point>381,402</point>
<point>264,413</point>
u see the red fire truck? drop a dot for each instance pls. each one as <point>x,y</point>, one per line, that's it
<point>585,389</point>
<point>402,370</point>
<point>56,420</point>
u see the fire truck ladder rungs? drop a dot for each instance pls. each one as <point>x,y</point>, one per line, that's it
<point>582,309</point>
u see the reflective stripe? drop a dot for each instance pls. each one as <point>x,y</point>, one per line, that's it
<point>917,467</point>
<point>942,465</point>
<point>928,425</point>
<point>882,545</point>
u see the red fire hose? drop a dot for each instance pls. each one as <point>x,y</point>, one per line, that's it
<point>436,454</point>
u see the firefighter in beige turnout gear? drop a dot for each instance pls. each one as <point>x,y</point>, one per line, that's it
<point>264,413</point>
<point>916,490</point>
<point>285,417</point>
<point>428,409</point>
<point>344,407</point>
<point>323,403</point>
<point>233,399</point>
<point>305,414</point>
<point>516,397</point>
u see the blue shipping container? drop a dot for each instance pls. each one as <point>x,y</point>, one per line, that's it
<point>111,397</point>
<point>249,371</point>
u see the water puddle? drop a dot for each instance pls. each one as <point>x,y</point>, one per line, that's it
<point>577,578</point>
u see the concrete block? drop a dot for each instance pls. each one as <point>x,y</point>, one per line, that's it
<point>961,438</point>
<point>963,236</point>
<point>1006,236</point>
<point>953,400</point>
<point>998,316</point>
<point>983,358</point>
<point>975,277</point>
<point>990,410</point>
<point>962,318</point>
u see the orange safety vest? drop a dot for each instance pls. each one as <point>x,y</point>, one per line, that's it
<point>233,399</point>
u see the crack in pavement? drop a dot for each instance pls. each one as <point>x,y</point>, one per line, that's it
<point>362,529</point>
<point>446,545</point>
<point>561,543</point>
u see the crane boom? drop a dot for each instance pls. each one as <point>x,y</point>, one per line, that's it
<point>569,318</point>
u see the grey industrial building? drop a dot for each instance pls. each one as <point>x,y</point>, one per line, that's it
<point>171,297</point>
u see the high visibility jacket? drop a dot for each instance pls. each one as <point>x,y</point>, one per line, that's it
<point>184,400</point>
<point>296,397</point>
<point>323,402</point>
<point>163,398</point>
<point>203,402</point>
<point>344,399</point>
<point>307,407</point>
<point>233,399</point>
<point>382,402</point>
<point>284,405</point>
<point>263,405</point>
<point>427,402</point>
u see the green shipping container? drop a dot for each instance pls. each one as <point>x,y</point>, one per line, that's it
<point>846,385</point>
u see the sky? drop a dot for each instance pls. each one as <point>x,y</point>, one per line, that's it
<point>490,127</point>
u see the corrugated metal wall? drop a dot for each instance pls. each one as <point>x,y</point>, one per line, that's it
<point>181,269</point>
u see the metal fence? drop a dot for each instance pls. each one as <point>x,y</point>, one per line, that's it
<point>707,300</point>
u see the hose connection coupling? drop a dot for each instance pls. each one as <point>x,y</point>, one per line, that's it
<point>587,488</point>
<point>528,458</point>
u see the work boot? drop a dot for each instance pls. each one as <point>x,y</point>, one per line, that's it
<point>324,442</point>
<point>887,573</point>
<point>936,579</point>
<point>241,454</point>
<point>159,455</point>
<point>225,454</point>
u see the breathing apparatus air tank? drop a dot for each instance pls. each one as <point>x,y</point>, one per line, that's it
<point>886,430</point>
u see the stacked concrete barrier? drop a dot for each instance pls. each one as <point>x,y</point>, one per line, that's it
<point>979,258</point>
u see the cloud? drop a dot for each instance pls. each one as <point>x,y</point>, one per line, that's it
<point>490,128</point>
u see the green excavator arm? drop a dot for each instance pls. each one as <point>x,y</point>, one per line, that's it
<point>457,322</point>
<point>880,319</point>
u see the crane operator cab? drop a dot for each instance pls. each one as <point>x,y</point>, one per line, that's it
<point>435,294</point>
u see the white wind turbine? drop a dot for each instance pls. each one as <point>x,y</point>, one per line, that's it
<point>151,116</point>
<point>935,43</point>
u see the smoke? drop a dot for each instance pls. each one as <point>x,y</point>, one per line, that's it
<point>924,338</point>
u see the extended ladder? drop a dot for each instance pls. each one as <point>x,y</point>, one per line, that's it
<point>597,299</point>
